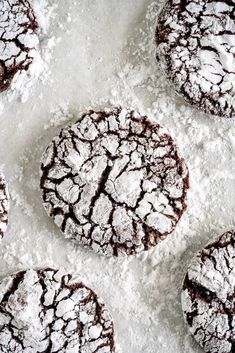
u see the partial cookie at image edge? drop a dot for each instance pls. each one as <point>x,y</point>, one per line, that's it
<point>50,310</point>
<point>208,296</point>
<point>18,39</point>
<point>196,53</point>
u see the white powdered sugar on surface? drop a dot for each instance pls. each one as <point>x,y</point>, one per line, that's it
<point>105,55</point>
<point>52,311</point>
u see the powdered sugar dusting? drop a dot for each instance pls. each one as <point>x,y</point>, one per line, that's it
<point>18,39</point>
<point>114,181</point>
<point>196,51</point>
<point>50,310</point>
<point>25,53</point>
<point>141,292</point>
<point>208,296</point>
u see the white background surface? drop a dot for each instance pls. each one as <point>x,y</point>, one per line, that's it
<point>105,54</point>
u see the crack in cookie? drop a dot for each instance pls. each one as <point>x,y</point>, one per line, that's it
<point>18,39</point>
<point>195,48</point>
<point>4,206</point>
<point>114,181</point>
<point>208,299</point>
<point>52,311</point>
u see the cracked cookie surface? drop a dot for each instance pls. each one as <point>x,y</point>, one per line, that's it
<point>4,206</point>
<point>208,296</point>
<point>114,181</point>
<point>196,49</point>
<point>51,311</point>
<point>18,39</point>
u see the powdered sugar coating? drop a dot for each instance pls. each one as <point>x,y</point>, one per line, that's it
<point>51,311</point>
<point>4,205</point>
<point>195,47</point>
<point>115,182</point>
<point>208,299</point>
<point>18,39</point>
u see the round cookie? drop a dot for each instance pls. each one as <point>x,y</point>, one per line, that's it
<point>18,39</point>
<point>114,181</point>
<point>208,296</point>
<point>196,49</point>
<point>51,311</point>
<point>4,206</point>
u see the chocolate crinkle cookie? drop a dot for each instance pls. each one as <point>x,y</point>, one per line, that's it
<point>4,205</point>
<point>18,39</point>
<point>208,297</point>
<point>114,181</point>
<point>51,311</point>
<point>196,49</point>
